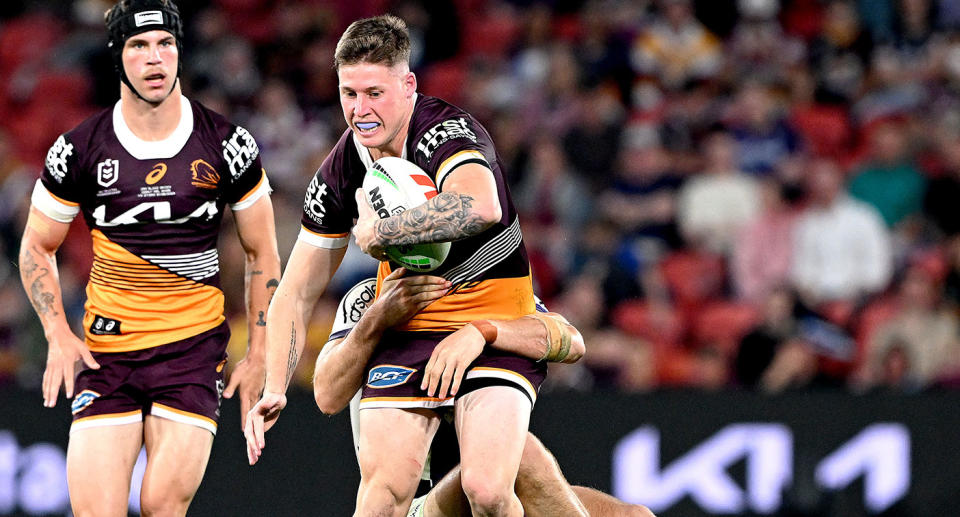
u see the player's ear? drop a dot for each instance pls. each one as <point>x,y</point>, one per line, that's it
<point>410,84</point>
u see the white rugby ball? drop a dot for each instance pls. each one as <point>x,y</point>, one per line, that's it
<point>392,186</point>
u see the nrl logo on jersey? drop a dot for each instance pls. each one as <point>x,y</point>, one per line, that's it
<point>107,172</point>
<point>442,133</point>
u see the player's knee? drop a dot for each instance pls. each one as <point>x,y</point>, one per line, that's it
<point>487,495</point>
<point>163,504</point>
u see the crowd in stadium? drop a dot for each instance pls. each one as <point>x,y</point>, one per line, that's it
<point>718,193</point>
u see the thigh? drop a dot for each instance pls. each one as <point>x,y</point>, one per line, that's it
<point>177,455</point>
<point>393,446</point>
<point>541,487</point>
<point>100,461</point>
<point>492,427</point>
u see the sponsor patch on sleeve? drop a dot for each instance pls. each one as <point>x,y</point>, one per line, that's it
<point>442,133</point>
<point>239,151</point>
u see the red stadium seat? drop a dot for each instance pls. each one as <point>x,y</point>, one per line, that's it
<point>27,39</point>
<point>825,129</point>
<point>660,324</point>
<point>493,34</point>
<point>693,277</point>
<point>723,324</point>
<point>69,88</point>
<point>445,79</point>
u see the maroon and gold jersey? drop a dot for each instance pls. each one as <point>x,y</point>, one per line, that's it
<point>490,271</point>
<point>154,211</point>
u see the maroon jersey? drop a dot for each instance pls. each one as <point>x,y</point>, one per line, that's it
<point>490,271</point>
<point>154,211</point>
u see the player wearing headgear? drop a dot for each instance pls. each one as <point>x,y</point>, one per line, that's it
<point>358,325</point>
<point>487,266</point>
<point>152,177</point>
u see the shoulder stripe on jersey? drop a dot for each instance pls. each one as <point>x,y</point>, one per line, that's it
<point>327,241</point>
<point>263,188</point>
<point>458,159</point>
<point>59,210</point>
<point>488,255</point>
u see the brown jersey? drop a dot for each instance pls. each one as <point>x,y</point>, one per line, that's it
<point>490,271</point>
<point>154,212</point>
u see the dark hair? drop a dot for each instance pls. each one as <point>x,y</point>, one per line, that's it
<point>128,18</point>
<point>378,40</point>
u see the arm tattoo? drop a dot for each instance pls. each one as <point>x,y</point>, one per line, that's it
<point>292,358</point>
<point>260,321</point>
<point>42,300</point>
<point>446,217</point>
<point>29,264</point>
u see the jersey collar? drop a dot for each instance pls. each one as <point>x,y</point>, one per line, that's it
<point>161,149</point>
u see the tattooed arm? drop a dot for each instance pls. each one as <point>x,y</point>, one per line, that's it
<point>38,272</point>
<point>308,272</point>
<point>255,228</point>
<point>468,205</point>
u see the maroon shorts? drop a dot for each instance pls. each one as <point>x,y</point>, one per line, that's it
<point>395,371</point>
<point>180,381</point>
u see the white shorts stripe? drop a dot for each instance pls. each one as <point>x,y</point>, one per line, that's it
<point>183,419</point>
<point>105,421</point>
<point>513,377</point>
<point>404,404</point>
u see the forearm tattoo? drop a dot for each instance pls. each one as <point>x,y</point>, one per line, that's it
<point>292,357</point>
<point>29,264</point>
<point>446,217</point>
<point>42,300</point>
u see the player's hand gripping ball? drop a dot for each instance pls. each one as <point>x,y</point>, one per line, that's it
<point>392,186</point>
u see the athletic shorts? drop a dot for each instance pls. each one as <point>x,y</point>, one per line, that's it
<point>395,371</point>
<point>180,381</point>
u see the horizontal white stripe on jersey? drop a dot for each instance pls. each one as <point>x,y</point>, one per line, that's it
<point>195,266</point>
<point>262,190</point>
<point>320,241</point>
<point>488,255</point>
<point>51,206</point>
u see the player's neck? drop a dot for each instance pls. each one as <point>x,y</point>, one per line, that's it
<point>151,122</point>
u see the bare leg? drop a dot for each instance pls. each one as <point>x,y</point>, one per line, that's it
<point>492,427</point>
<point>177,456</point>
<point>392,450</point>
<point>100,462</point>
<point>599,503</point>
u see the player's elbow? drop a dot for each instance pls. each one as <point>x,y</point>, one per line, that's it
<point>329,405</point>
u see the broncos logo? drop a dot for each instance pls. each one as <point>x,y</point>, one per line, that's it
<point>204,175</point>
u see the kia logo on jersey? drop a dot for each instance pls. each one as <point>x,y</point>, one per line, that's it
<point>388,376</point>
<point>107,172</point>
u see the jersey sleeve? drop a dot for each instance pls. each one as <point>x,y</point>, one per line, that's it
<point>57,192</point>
<point>455,139</point>
<point>248,180</point>
<point>327,211</point>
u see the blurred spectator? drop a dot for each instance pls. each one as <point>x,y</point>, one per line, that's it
<point>16,182</point>
<point>842,249</point>
<point>775,335</point>
<point>943,192</point>
<point>620,361</point>
<point>713,206</point>
<point>759,126</point>
<point>840,55</point>
<point>763,252</point>
<point>592,144</point>
<point>288,140</point>
<point>891,182</point>
<point>676,47</point>
<point>919,344</point>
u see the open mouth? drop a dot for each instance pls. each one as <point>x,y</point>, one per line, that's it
<point>367,127</point>
<point>154,80</point>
